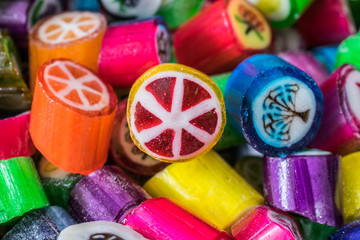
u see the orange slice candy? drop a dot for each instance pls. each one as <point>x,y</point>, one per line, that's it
<point>72,35</point>
<point>72,116</point>
<point>175,113</point>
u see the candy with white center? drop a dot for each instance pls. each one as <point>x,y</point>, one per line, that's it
<point>175,113</point>
<point>99,230</point>
<point>275,105</point>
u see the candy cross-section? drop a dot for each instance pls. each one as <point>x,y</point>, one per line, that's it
<point>72,116</point>
<point>175,113</point>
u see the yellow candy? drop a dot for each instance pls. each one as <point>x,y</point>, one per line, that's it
<point>351,186</point>
<point>208,187</point>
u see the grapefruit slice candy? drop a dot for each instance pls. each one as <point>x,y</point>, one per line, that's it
<point>72,116</point>
<point>175,113</point>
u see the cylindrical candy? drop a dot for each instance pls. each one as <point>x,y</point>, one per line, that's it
<point>350,167</point>
<point>104,195</point>
<point>130,8</point>
<point>72,116</point>
<point>42,224</point>
<point>161,219</point>
<point>129,49</point>
<point>218,38</point>
<point>326,55</point>
<point>125,153</point>
<point>282,13</point>
<point>305,183</point>
<point>71,35</point>
<point>177,12</point>
<point>266,223</point>
<point>99,230</point>
<point>326,22</point>
<point>14,94</point>
<point>20,189</point>
<point>349,51</point>
<point>175,113</point>
<point>208,187</point>
<point>15,138</point>
<point>339,130</point>
<point>312,230</point>
<point>350,231</point>
<point>57,183</point>
<point>277,106</point>
<point>306,62</point>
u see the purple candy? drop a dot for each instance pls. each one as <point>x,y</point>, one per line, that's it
<point>105,195</point>
<point>305,184</point>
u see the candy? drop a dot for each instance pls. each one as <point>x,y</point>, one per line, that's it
<point>42,224</point>
<point>305,183</point>
<point>161,219</point>
<point>99,230</point>
<point>57,183</point>
<point>266,223</point>
<point>282,13</point>
<point>67,35</point>
<point>177,12</point>
<point>83,5</point>
<point>348,52</point>
<point>125,153</point>
<point>277,106</point>
<point>350,231</point>
<point>130,8</point>
<point>20,189</point>
<point>326,22</point>
<point>175,113</point>
<point>326,56</point>
<point>14,94</point>
<point>339,130</point>
<point>208,187</point>
<point>218,38</point>
<point>72,116</point>
<point>104,195</point>
<point>129,49</point>
<point>15,138</point>
<point>311,230</point>
<point>350,185</point>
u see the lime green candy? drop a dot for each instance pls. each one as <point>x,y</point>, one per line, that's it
<point>20,189</point>
<point>349,52</point>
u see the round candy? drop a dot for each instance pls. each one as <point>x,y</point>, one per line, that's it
<point>72,116</point>
<point>131,8</point>
<point>175,113</point>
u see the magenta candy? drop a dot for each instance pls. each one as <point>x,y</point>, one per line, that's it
<point>326,22</point>
<point>340,127</point>
<point>131,48</point>
<point>104,195</point>
<point>15,139</point>
<point>305,184</point>
<point>266,223</point>
<point>307,62</point>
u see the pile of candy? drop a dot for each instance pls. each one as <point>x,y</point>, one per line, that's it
<point>111,128</point>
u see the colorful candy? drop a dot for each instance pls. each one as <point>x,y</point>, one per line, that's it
<point>72,116</point>
<point>350,231</point>
<point>131,48</point>
<point>275,105</point>
<point>161,219</point>
<point>20,189</point>
<point>104,195</point>
<point>99,230</point>
<point>175,113</point>
<point>305,183</point>
<point>208,187</point>
<point>66,35</point>
<point>339,130</point>
<point>222,35</point>
<point>266,223</point>
<point>311,230</point>
<point>348,52</point>
<point>326,56</point>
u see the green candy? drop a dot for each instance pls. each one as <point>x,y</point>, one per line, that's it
<point>14,93</point>
<point>20,189</point>
<point>57,183</point>
<point>176,12</point>
<point>311,230</point>
<point>349,52</point>
<point>230,137</point>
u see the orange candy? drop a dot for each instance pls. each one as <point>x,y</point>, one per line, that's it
<point>72,116</point>
<point>72,35</point>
